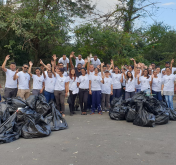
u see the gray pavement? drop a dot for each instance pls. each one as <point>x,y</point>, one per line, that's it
<point>96,140</point>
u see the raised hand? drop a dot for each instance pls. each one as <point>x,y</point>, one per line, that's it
<point>102,64</point>
<point>172,61</point>
<point>54,57</point>
<point>112,62</point>
<point>85,60</point>
<point>30,63</point>
<point>132,59</point>
<point>16,71</point>
<point>7,57</point>
<point>90,55</point>
<point>41,62</point>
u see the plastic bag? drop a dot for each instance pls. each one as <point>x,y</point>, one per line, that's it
<point>162,118</point>
<point>31,101</point>
<point>172,114</point>
<point>139,97</point>
<point>4,112</point>
<point>55,120</point>
<point>34,126</point>
<point>42,106</point>
<point>118,113</point>
<point>143,118</point>
<point>131,114</point>
<point>10,130</point>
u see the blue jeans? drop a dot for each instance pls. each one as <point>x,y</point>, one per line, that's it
<point>157,95</point>
<point>89,101</point>
<point>138,90</point>
<point>117,93</point>
<point>96,100</point>
<point>169,101</point>
<point>49,96</point>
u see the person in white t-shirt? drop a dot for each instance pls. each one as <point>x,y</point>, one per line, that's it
<point>38,80</point>
<point>23,82</point>
<point>78,60</point>
<point>10,85</point>
<point>130,85</point>
<point>65,61</point>
<point>73,89</point>
<point>95,90</point>
<point>95,61</point>
<point>117,79</point>
<point>168,87</point>
<point>106,92</point>
<point>167,65</point>
<point>60,90</point>
<point>156,83</point>
<point>145,82</point>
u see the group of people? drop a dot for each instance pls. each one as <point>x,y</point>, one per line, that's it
<point>91,82</point>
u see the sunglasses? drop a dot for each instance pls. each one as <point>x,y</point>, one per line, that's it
<point>26,67</point>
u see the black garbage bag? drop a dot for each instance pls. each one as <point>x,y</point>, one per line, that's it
<point>144,118</point>
<point>172,114</point>
<point>42,106</point>
<point>55,119</point>
<point>114,101</point>
<point>10,130</point>
<point>4,112</point>
<point>118,113</point>
<point>31,101</point>
<point>141,96</point>
<point>130,115</point>
<point>162,118</point>
<point>15,103</point>
<point>34,124</point>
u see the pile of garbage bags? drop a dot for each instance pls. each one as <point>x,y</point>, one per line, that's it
<point>142,110</point>
<point>32,118</point>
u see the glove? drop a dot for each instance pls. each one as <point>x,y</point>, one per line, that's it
<point>162,93</point>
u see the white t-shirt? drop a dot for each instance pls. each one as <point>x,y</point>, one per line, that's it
<point>50,84</point>
<point>168,82</point>
<point>10,83</point>
<point>124,81</point>
<point>173,70</point>
<point>23,80</point>
<point>72,83</point>
<point>106,87</point>
<point>60,83</point>
<point>145,83</point>
<point>46,73</point>
<point>37,81</point>
<point>65,74</point>
<point>130,85</point>
<point>116,80</point>
<point>137,86</point>
<point>64,62</point>
<point>95,63</point>
<point>79,61</point>
<point>95,82</point>
<point>156,84</point>
<point>84,82</point>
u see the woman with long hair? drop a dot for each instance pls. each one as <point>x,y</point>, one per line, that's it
<point>145,81</point>
<point>73,89</point>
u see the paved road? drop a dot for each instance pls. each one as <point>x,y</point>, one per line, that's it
<point>96,140</point>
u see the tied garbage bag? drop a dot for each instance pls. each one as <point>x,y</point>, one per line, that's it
<point>114,101</point>
<point>143,118</point>
<point>42,106</point>
<point>55,120</point>
<point>34,124</point>
<point>15,103</point>
<point>118,113</point>
<point>141,96</point>
<point>31,101</point>
<point>131,114</point>
<point>4,112</point>
<point>10,130</point>
<point>172,114</point>
<point>162,118</point>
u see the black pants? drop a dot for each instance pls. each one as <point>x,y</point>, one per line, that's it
<point>10,92</point>
<point>83,98</point>
<point>72,98</point>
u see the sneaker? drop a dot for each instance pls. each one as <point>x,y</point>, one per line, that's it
<point>92,113</point>
<point>107,111</point>
<point>103,110</point>
<point>100,112</point>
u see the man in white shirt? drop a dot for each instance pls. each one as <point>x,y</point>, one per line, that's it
<point>23,81</point>
<point>167,65</point>
<point>95,61</point>
<point>10,85</point>
<point>65,61</point>
<point>78,60</point>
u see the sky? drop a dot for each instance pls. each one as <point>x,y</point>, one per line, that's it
<point>166,12</point>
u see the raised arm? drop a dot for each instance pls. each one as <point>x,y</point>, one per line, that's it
<point>102,69</point>
<point>41,62</point>
<point>55,59</point>
<point>85,62</point>
<point>112,65</point>
<point>90,92</point>
<point>52,63</point>
<point>172,61</point>
<point>42,69</point>
<point>30,66</point>
<point>4,63</point>
<point>138,79</point>
<point>71,63</point>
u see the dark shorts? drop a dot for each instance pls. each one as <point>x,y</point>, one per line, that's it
<point>10,92</point>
